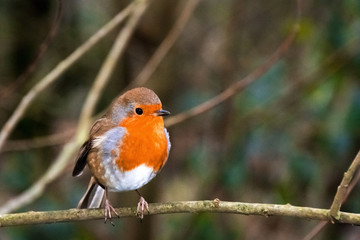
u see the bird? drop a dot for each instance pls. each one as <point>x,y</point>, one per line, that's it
<point>126,148</point>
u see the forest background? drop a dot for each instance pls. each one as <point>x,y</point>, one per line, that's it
<point>286,138</point>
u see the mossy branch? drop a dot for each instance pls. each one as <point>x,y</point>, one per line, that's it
<point>207,206</point>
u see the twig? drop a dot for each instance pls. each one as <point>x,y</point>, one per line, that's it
<point>343,187</point>
<point>39,142</point>
<point>208,206</point>
<point>42,49</point>
<point>352,185</point>
<point>319,227</point>
<point>237,86</point>
<point>316,230</point>
<point>165,46</point>
<point>61,162</point>
<point>57,71</point>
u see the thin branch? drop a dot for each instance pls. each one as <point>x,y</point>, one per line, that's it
<point>42,49</point>
<point>58,71</point>
<point>316,230</point>
<point>165,46</point>
<point>39,142</point>
<point>208,206</point>
<point>320,226</point>
<point>352,185</point>
<point>239,85</point>
<point>343,188</point>
<point>61,162</point>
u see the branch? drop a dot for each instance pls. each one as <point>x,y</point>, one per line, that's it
<point>58,138</point>
<point>58,71</point>
<point>343,187</point>
<point>320,226</point>
<point>208,206</point>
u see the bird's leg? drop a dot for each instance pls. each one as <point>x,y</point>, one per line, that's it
<point>108,208</point>
<point>142,205</point>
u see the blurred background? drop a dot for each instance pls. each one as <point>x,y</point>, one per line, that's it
<point>287,138</point>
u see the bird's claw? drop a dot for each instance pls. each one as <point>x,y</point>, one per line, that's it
<point>108,209</point>
<point>142,205</point>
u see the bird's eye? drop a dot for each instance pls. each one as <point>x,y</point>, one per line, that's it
<point>139,111</point>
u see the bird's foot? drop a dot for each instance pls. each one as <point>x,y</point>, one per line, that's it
<point>142,205</point>
<point>108,209</point>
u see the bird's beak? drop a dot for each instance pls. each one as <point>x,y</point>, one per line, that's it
<point>162,113</point>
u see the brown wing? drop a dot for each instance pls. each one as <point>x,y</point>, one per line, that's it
<point>99,127</point>
<point>81,159</point>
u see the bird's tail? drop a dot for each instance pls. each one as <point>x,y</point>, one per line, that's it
<point>94,195</point>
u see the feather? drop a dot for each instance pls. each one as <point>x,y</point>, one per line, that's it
<point>82,158</point>
<point>94,195</point>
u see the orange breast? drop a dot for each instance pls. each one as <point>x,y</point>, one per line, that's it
<point>144,143</point>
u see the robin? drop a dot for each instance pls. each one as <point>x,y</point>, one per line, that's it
<point>126,148</point>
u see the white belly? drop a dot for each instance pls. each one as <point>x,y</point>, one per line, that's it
<point>129,180</point>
